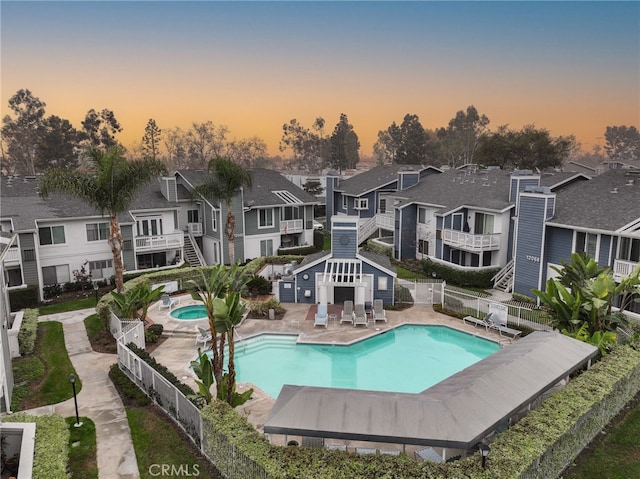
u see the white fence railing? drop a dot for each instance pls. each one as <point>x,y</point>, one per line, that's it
<point>194,229</point>
<point>12,256</point>
<point>151,243</point>
<point>291,226</point>
<point>471,242</point>
<point>622,269</point>
<point>127,331</point>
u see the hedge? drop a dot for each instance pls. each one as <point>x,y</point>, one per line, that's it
<point>474,279</point>
<point>51,454</point>
<point>127,387</point>
<point>28,330</point>
<point>24,297</point>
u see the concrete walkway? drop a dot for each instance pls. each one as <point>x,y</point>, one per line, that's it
<point>97,400</point>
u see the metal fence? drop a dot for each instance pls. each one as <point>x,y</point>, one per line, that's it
<point>127,331</point>
<point>163,393</point>
<point>477,304</point>
<point>418,291</point>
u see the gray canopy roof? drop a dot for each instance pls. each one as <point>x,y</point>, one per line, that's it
<point>457,412</point>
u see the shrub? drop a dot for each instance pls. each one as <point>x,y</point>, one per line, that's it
<point>149,337</point>
<point>27,333</point>
<point>476,279</point>
<point>258,285</point>
<point>377,248</point>
<point>51,453</point>
<point>299,251</point>
<point>261,308</point>
<point>156,329</point>
<point>24,298</point>
<point>127,388</point>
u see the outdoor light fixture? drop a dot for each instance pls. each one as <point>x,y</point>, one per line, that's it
<point>72,380</point>
<point>95,290</point>
<point>484,450</point>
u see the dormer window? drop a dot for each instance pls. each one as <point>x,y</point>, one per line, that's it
<point>361,204</point>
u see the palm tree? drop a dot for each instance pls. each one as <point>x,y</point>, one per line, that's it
<point>110,187</point>
<point>224,181</point>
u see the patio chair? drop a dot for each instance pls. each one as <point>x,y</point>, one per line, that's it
<point>379,314</point>
<point>360,316</point>
<point>428,454</point>
<point>495,323</point>
<point>204,336</point>
<point>322,318</point>
<point>168,302</point>
<point>487,321</point>
<point>347,312</point>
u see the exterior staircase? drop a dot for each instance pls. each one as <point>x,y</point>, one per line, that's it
<point>192,254</point>
<point>503,280</point>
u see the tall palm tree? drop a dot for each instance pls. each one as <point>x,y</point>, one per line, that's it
<point>110,187</point>
<point>224,181</point>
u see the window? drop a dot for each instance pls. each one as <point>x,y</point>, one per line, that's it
<point>29,255</point>
<point>423,216</point>
<point>382,205</point>
<point>101,269</point>
<point>344,202</point>
<point>484,224</point>
<point>382,283</point>
<point>55,274</point>
<point>290,213</point>
<point>361,203</point>
<point>214,220</point>
<point>51,235</point>
<point>149,227</point>
<point>193,216</point>
<point>630,249</point>
<point>266,247</point>
<point>587,243</point>
<point>423,246</point>
<point>265,218</point>
<point>97,231</point>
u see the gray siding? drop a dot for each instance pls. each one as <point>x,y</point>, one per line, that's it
<point>519,184</point>
<point>439,225</point>
<point>330,198</point>
<point>530,234</point>
<point>551,208</point>
<point>128,255</point>
<point>29,266</point>
<point>168,188</point>
<point>251,219</point>
<point>309,284</point>
<point>408,179</point>
<point>408,232</point>
<point>396,234</point>
<point>208,222</point>
<point>385,296</point>
<point>340,236</point>
<point>308,217</point>
<point>287,295</point>
<point>371,207</point>
<point>557,247</point>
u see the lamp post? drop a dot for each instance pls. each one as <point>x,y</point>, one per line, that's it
<point>484,450</point>
<point>95,290</point>
<point>72,380</point>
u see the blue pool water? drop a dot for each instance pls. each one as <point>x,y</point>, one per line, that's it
<point>406,359</point>
<point>188,313</point>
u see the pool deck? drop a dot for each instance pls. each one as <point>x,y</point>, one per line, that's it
<point>180,349</point>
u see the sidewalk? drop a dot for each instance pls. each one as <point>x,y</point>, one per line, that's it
<point>98,399</point>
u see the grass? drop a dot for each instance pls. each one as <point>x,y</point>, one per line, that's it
<point>26,370</point>
<point>74,305</point>
<point>407,274</point>
<point>83,463</point>
<point>157,442</point>
<point>617,456</point>
<point>44,375</point>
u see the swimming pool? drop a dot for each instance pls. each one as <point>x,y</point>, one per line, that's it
<point>189,313</point>
<point>410,358</point>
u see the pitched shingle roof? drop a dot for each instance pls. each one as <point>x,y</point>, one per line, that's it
<point>265,182</point>
<point>608,202</point>
<point>372,179</point>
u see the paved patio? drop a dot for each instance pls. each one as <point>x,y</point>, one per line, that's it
<point>180,349</point>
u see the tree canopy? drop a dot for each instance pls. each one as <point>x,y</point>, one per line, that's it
<point>345,145</point>
<point>460,139</point>
<point>622,143</point>
<point>407,144</point>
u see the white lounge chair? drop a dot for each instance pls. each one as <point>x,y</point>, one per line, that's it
<point>322,318</point>
<point>379,314</point>
<point>204,336</point>
<point>501,327</point>
<point>487,322</point>
<point>360,316</point>
<point>347,312</point>
<point>168,302</point>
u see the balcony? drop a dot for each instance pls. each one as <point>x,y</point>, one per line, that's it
<point>12,257</point>
<point>623,269</point>
<point>291,226</point>
<point>469,242</point>
<point>160,242</point>
<point>194,229</point>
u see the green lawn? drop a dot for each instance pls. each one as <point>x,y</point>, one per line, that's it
<point>101,339</point>
<point>407,274</point>
<point>83,463</point>
<point>156,442</point>
<point>43,377</point>
<point>617,456</point>
<point>74,305</point>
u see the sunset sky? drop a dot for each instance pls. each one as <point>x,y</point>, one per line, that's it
<point>569,67</point>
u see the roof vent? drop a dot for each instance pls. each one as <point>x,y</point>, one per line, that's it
<point>615,190</point>
<point>629,182</point>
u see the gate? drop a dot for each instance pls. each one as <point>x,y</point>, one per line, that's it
<point>419,291</point>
